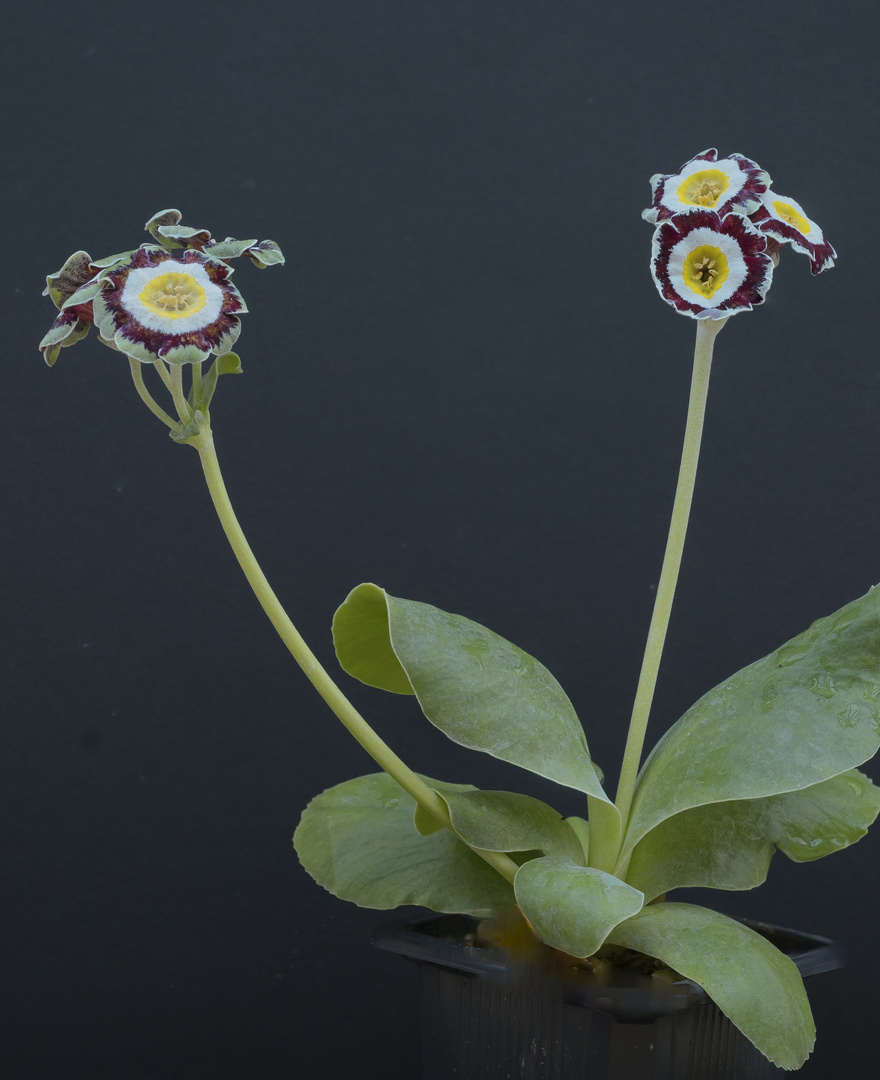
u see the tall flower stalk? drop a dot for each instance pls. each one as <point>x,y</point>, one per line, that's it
<point>342,708</point>
<point>707,330</point>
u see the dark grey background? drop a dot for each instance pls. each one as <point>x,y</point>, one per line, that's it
<point>463,386</point>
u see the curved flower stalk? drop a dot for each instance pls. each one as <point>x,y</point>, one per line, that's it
<point>167,310</point>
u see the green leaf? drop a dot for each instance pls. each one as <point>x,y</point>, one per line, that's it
<point>227,364</point>
<point>476,687</point>
<point>360,636</point>
<point>581,828</point>
<point>729,845</point>
<point>573,907</point>
<point>757,987</point>
<point>358,841</point>
<point>426,823</point>
<point>507,821</point>
<point>803,714</point>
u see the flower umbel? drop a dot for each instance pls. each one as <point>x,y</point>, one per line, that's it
<point>157,302</point>
<point>708,266</point>
<point>712,266</point>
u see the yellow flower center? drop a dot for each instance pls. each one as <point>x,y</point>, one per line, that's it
<point>173,295</point>
<point>703,188</point>
<point>705,270</point>
<point>792,217</point>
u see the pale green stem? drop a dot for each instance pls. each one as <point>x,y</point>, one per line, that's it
<point>197,382</point>
<point>707,329</point>
<point>162,369</point>
<point>381,753</point>
<point>180,402</point>
<point>137,374</point>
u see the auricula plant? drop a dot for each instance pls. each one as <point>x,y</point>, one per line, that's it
<point>768,759</point>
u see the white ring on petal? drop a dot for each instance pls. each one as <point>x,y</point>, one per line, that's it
<point>138,280</point>
<point>815,235</point>
<point>737,271</point>
<point>736,177</point>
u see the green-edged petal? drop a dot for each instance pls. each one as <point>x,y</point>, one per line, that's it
<point>75,272</point>
<point>164,219</point>
<point>122,257</point>
<point>83,295</point>
<point>67,330</point>
<point>266,253</point>
<point>230,248</point>
<point>182,236</point>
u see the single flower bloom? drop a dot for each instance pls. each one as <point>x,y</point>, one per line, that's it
<point>708,266</point>
<point>785,220</point>
<point>160,306</point>
<point>733,184</point>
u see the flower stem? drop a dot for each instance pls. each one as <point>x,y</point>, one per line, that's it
<point>707,329</point>
<point>177,392</point>
<point>162,371</point>
<point>137,375</point>
<point>381,753</point>
<point>197,383</point>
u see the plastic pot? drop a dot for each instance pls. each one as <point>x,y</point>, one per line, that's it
<point>489,1015</point>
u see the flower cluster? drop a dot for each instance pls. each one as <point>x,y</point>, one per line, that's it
<point>170,301</point>
<point>719,231</point>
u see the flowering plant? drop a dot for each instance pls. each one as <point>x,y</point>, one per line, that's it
<point>768,759</point>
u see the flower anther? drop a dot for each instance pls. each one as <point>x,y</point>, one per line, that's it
<point>173,295</point>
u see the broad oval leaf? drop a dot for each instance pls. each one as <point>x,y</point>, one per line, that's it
<point>805,713</point>
<point>508,821</point>
<point>757,987</point>
<point>476,687</point>
<point>362,643</point>
<point>573,907</point>
<point>729,845</point>
<point>358,841</point>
